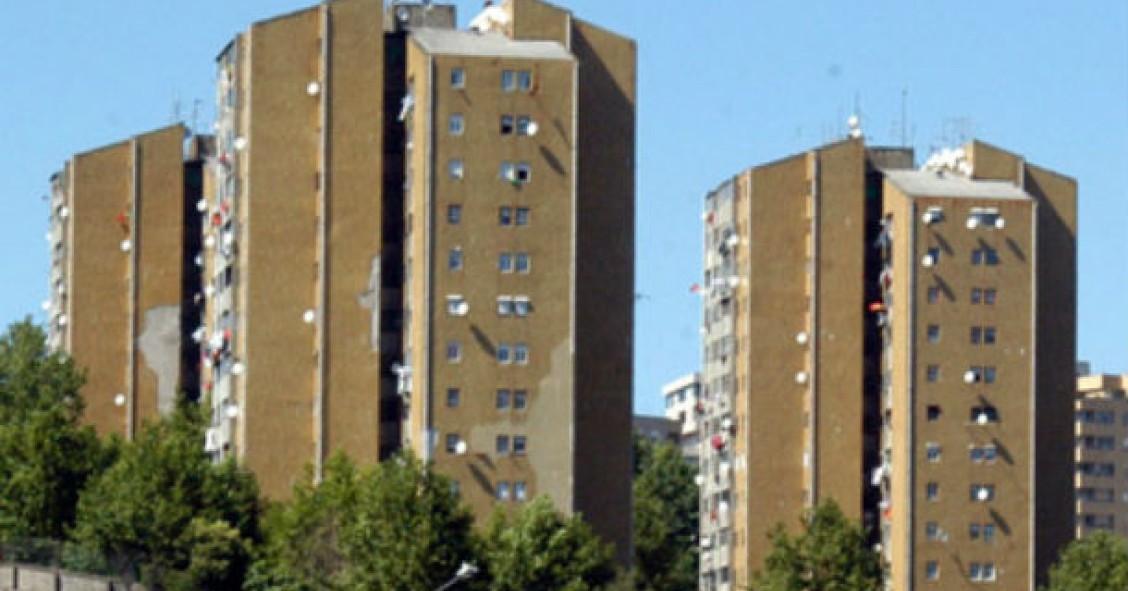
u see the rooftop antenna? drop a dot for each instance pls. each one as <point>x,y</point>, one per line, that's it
<point>905,117</point>
<point>175,107</point>
<point>196,104</point>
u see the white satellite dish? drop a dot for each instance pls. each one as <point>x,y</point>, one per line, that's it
<point>801,377</point>
<point>532,128</point>
<point>209,241</point>
<point>699,480</point>
<point>64,212</point>
<point>46,305</point>
<point>309,316</point>
<point>983,494</point>
<point>462,308</point>
<point>973,222</point>
<point>970,377</point>
<point>981,418</point>
<point>63,320</point>
<point>1000,223</point>
<point>232,411</point>
<point>201,206</point>
<point>119,399</point>
<point>240,143</point>
<point>460,447</point>
<point>313,88</point>
<point>801,337</point>
<point>209,290</point>
<point>237,368</point>
<point>126,245</point>
<point>928,260</point>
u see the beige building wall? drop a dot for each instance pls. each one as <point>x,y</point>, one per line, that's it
<point>303,158</point>
<point>1101,455</point>
<point>118,278</point>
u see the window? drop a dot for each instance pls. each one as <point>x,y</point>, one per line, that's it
<point>933,373</point>
<point>519,445</point>
<point>521,354</point>
<point>508,80</point>
<point>456,169</point>
<point>503,491</point>
<point>983,335</point>
<point>457,305</point>
<point>502,399</point>
<point>524,173</point>
<point>507,127</point>
<point>989,297</point>
<point>521,306</point>
<point>1092,442</point>
<point>984,414</point>
<point>456,125</point>
<point>453,351</point>
<point>981,571</point>
<point>455,489</point>
<point>932,452</point>
<point>983,453</point>
<point>522,262</point>
<point>933,333</point>
<point>504,306</point>
<point>973,531</point>
<point>933,295</point>
<point>457,78</point>
<point>520,491</point>
<point>454,214</point>
<point>520,399</point>
<point>976,295</point>
<point>452,441</point>
<point>1096,469</point>
<point>932,530</point>
<point>933,412</point>
<point>522,216</point>
<point>502,445</point>
<point>524,80</point>
<point>989,374</point>
<point>454,396</point>
<point>505,216</point>
<point>932,491</point>
<point>982,493</point>
<point>454,259</point>
<point>523,125</point>
<point>505,262</point>
<point>985,256</point>
<point>988,532</point>
<point>932,257</point>
<point>932,570</point>
<point>504,353</point>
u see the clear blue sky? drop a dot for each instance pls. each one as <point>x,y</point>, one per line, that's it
<point>723,84</point>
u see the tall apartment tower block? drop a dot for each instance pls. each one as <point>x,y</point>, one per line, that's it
<point>123,234</point>
<point>900,341</point>
<point>402,235</point>
<point>1102,454</point>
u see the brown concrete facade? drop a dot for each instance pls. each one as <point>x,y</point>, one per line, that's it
<point>298,311</point>
<point>526,390</point>
<point>918,403</point>
<point>119,222</point>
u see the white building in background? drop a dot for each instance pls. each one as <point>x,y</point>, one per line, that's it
<point>682,406</point>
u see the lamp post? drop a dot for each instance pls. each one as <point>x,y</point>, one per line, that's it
<point>465,571</point>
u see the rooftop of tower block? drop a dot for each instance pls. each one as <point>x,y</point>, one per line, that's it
<point>486,44</point>
<point>940,183</point>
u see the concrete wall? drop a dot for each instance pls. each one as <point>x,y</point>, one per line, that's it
<point>18,577</point>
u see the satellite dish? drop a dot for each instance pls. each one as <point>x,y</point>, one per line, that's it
<point>240,143</point>
<point>801,337</point>
<point>723,507</point>
<point>119,399</point>
<point>982,494</point>
<point>231,411</point>
<point>973,222</point>
<point>403,14</point>
<point>532,128</point>
<point>313,88</point>
<point>237,368</point>
<point>309,316</point>
<point>1000,223</point>
<point>64,212</point>
<point>462,308</point>
<point>801,377</point>
<point>63,320</point>
<point>699,480</point>
<point>209,290</point>
<point>981,418</point>
<point>460,447</point>
<point>126,245</point>
<point>928,260</point>
<point>209,241</point>
<point>199,260</point>
<point>970,377</point>
<point>853,122</point>
<point>201,206</point>
<point>46,305</point>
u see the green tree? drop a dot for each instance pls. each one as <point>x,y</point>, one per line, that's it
<point>161,499</point>
<point>303,548</point>
<point>46,456</point>
<point>665,519</point>
<point>540,549</point>
<point>409,531</point>
<point>829,554</point>
<point>1096,563</point>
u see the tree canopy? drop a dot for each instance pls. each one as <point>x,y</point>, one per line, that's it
<point>1098,562</point>
<point>829,554</point>
<point>665,519</point>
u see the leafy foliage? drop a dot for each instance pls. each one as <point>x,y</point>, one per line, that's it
<point>540,549</point>
<point>1096,563</point>
<point>830,554</point>
<point>163,500</point>
<point>46,457</point>
<point>665,519</point>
